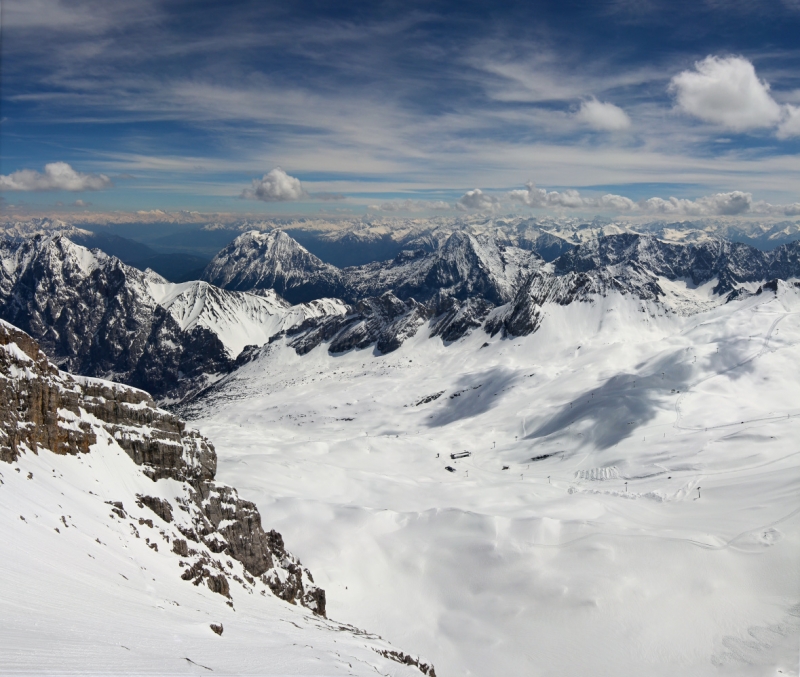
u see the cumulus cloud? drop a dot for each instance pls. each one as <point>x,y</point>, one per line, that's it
<point>722,204</point>
<point>477,200</point>
<point>734,203</point>
<point>726,91</point>
<point>276,186</point>
<point>81,203</point>
<point>569,199</point>
<point>603,116</point>
<point>790,125</point>
<point>56,176</point>
<point>410,206</point>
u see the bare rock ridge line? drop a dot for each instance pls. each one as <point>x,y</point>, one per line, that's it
<point>44,408</point>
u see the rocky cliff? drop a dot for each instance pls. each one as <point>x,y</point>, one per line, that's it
<point>204,523</point>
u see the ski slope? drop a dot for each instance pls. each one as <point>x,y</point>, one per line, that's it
<point>631,504</point>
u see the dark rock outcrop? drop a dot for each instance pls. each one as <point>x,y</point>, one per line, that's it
<point>93,315</point>
<point>385,321</point>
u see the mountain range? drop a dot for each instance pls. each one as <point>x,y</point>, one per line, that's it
<point>97,316</point>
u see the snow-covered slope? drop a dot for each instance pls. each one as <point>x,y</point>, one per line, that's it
<point>238,319</point>
<point>120,553</point>
<point>630,505</point>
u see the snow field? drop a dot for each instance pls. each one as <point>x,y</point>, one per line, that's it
<point>538,569</point>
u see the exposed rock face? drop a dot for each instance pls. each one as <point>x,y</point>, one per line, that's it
<point>36,402</point>
<point>730,262</point>
<point>273,260</point>
<point>44,408</point>
<point>385,321</point>
<point>405,659</point>
<point>96,316</point>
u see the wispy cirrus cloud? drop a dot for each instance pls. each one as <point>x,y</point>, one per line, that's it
<point>395,101</point>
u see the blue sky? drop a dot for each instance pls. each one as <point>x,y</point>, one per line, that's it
<point>393,107</point>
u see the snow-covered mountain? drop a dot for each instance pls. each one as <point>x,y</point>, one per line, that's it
<point>471,282</point>
<point>459,283</point>
<point>120,552</point>
<point>96,316</point>
<point>462,266</point>
<point>627,402</point>
<point>99,317</point>
<point>273,260</point>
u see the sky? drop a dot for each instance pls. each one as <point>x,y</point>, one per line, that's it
<point>629,107</point>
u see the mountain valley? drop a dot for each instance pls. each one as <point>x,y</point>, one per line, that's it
<point>563,453</point>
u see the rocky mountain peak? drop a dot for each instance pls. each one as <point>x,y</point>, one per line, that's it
<point>273,260</point>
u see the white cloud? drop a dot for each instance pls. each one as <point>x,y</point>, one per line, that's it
<point>722,204</point>
<point>81,203</point>
<point>790,125</point>
<point>603,116</point>
<point>276,186</point>
<point>477,200</point>
<point>792,209</point>
<point>726,91</point>
<point>617,203</point>
<point>57,176</point>
<point>734,203</point>
<point>569,199</point>
<point>439,205</point>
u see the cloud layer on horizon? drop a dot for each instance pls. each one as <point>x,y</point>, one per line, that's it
<point>734,203</point>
